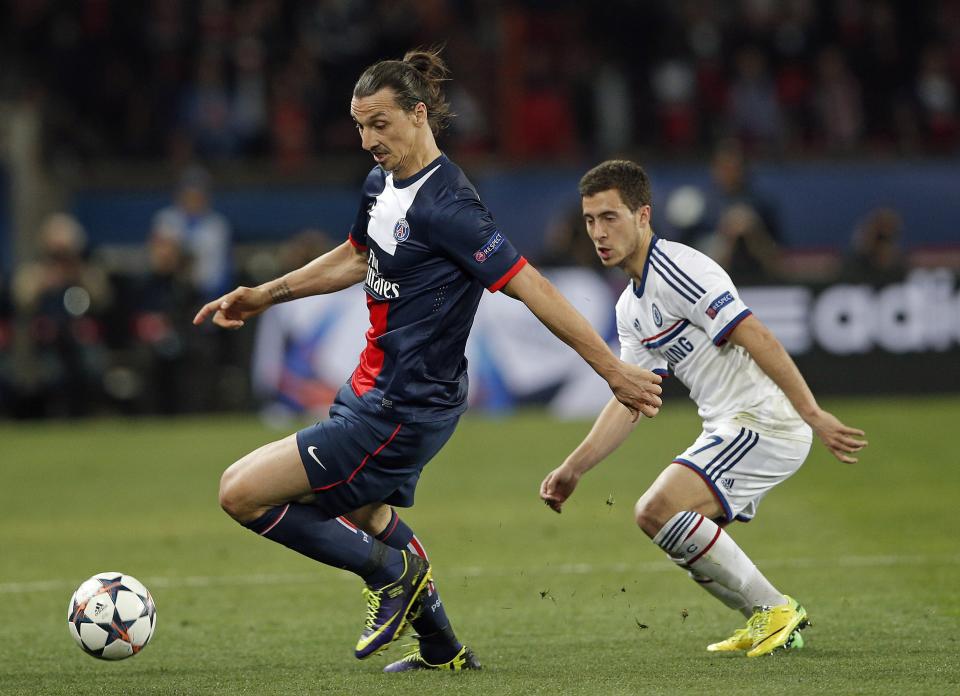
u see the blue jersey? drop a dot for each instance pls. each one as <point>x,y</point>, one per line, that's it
<point>432,248</point>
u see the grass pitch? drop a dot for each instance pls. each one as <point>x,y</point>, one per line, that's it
<point>578,603</point>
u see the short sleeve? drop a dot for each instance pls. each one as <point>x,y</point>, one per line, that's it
<point>358,230</point>
<point>632,350</point>
<point>719,309</point>
<point>466,233</point>
<point>372,187</point>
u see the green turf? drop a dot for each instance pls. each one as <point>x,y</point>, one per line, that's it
<point>551,604</point>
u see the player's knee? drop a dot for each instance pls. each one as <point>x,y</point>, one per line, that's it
<point>233,497</point>
<point>372,518</point>
<point>649,514</point>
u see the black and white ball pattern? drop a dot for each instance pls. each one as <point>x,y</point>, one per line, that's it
<point>112,616</point>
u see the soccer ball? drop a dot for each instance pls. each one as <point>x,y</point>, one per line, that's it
<point>111,616</point>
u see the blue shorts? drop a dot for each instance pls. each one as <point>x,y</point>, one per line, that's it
<point>353,458</point>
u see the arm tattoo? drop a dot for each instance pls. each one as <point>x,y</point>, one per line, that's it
<point>281,293</point>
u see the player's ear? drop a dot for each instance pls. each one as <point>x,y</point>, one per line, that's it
<point>643,214</point>
<point>420,115</point>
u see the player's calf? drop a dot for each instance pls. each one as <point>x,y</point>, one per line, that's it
<point>705,548</point>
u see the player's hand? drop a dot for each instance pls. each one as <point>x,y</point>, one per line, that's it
<point>842,440</point>
<point>637,389</point>
<point>231,310</point>
<point>558,486</point>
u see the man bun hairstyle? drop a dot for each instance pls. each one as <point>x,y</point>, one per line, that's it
<point>623,175</point>
<point>417,78</point>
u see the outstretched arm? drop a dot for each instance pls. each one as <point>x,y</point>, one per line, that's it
<point>634,387</point>
<point>339,268</point>
<point>611,428</point>
<point>773,359</point>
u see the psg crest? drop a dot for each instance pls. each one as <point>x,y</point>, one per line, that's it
<point>401,231</point>
<point>657,317</point>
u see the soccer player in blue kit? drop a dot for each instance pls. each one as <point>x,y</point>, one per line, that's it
<point>425,247</point>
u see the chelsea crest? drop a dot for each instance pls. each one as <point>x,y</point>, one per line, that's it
<point>657,317</point>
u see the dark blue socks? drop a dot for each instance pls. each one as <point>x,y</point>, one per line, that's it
<point>378,560</point>
<point>332,542</point>
<point>437,641</point>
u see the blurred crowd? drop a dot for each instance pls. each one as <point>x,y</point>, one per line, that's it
<point>82,334</point>
<point>224,79</point>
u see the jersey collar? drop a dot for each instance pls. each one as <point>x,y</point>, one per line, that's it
<point>638,290</point>
<point>403,183</point>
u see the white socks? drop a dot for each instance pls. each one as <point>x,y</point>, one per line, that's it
<point>732,599</point>
<point>716,562</point>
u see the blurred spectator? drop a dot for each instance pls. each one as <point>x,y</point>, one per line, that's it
<point>839,111</point>
<point>742,246</point>
<point>875,257</point>
<point>742,224</point>
<point>161,303</point>
<point>249,105</point>
<point>754,111</point>
<point>207,117</point>
<point>675,92</point>
<point>794,43</point>
<point>613,103</point>
<point>568,244</point>
<point>937,95</point>
<point>291,114</point>
<point>204,233</point>
<point>61,297</point>
<point>881,43</point>
<point>470,132</point>
<point>541,121</point>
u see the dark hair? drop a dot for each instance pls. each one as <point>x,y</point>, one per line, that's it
<point>625,176</point>
<point>416,78</point>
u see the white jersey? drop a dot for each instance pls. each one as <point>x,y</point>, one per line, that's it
<point>676,322</point>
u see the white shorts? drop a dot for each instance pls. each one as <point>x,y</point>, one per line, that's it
<point>741,465</point>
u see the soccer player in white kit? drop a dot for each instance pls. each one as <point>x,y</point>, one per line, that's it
<point>682,316</point>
